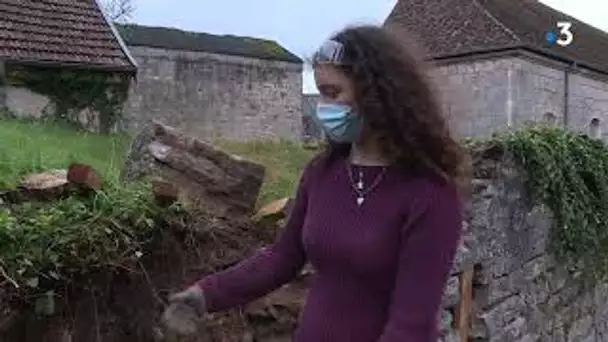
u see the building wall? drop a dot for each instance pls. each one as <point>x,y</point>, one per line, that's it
<point>26,103</point>
<point>588,101</point>
<point>485,96</point>
<point>474,95</point>
<point>209,95</point>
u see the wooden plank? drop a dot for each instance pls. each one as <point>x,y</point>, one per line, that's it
<point>464,308</point>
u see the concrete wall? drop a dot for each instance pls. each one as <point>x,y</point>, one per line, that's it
<point>208,95</point>
<point>485,96</point>
<point>520,293</point>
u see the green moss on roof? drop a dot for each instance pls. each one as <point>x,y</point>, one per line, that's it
<point>170,38</point>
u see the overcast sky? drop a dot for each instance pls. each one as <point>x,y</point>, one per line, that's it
<point>300,25</point>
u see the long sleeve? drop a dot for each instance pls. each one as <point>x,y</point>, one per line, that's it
<point>428,246</point>
<point>266,270</point>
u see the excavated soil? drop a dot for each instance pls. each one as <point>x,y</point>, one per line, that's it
<point>127,306</point>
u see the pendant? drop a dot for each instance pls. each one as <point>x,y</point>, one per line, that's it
<point>360,185</point>
<point>360,200</point>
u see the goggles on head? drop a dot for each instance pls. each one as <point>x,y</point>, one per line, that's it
<point>329,52</point>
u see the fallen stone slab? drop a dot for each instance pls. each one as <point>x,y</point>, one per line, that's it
<point>209,179</point>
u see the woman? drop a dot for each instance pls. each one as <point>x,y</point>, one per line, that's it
<point>378,214</point>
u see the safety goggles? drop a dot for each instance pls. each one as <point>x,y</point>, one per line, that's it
<point>330,52</point>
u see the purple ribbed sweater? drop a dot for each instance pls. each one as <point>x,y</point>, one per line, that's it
<point>380,268</point>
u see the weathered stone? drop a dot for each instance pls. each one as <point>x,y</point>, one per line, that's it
<point>451,336</point>
<point>514,331</point>
<point>466,256</point>
<point>165,192</point>
<point>503,314</point>
<point>84,175</point>
<point>451,294</point>
<point>445,321</point>
<point>275,210</point>
<point>479,331</point>
<point>212,180</point>
<point>582,330</point>
<point>2,86</point>
<point>501,288</point>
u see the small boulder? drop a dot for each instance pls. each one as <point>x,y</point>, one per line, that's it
<point>209,179</point>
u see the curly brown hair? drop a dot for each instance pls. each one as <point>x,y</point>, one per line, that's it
<point>394,95</point>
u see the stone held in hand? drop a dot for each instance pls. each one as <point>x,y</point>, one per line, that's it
<point>209,179</point>
<point>181,320</point>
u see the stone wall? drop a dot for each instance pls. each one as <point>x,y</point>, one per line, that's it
<point>208,95</point>
<point>25,103</point>
<point>2,86</point>
<point>520,293</point>
<point>488,95</point>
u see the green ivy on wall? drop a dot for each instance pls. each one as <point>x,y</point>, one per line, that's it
<point>568,172</point>
<point>73,90</point>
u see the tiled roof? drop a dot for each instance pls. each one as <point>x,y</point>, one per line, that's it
<point>170,38</point>
<point>449,28</point>
<point>60,32</point>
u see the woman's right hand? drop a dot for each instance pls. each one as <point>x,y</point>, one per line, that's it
<point>185,312</point>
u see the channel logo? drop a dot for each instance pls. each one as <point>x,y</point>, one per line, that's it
<point>562,36</point>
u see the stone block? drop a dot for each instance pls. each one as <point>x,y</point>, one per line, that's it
<point>582,330</point>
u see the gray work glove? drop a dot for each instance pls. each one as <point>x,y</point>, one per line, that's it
<point>185,312</point>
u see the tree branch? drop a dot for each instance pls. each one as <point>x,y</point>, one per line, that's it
<point>119,10</point>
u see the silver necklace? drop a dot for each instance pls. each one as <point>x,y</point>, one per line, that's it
<point>359,186</point>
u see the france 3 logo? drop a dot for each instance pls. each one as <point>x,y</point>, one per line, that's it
<point>563,37</point>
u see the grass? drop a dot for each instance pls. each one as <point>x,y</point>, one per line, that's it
<point>32,147</point>
<point>284,161</point>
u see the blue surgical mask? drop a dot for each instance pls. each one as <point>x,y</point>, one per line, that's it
<point>338,121</point>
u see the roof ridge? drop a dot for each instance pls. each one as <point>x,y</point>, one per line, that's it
<point>121,43</point>
<point>135,34</point>
<point>498,22</point>
<point>222,35</point>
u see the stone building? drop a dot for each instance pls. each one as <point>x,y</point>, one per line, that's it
<point>62,35</point>
<point>497,70</point>
<point>310,130</point>
<point>209,85</point>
